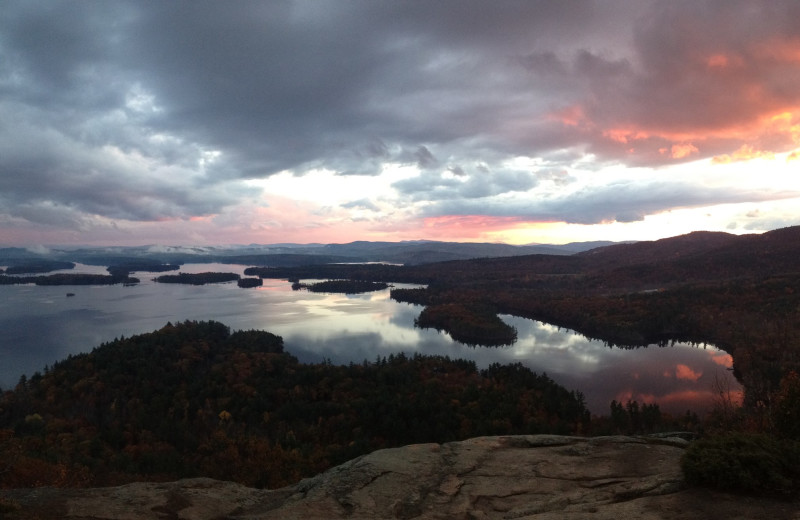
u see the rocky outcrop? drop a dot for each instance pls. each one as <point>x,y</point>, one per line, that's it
<point>538,477</point>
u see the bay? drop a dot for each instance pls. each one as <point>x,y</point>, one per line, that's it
<point>41,325</point>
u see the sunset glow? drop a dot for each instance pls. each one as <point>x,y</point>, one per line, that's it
<point>300,121</point>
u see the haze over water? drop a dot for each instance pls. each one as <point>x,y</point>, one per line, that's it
<point>41,325</point>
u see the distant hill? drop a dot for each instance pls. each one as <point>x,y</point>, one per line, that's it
<point>285,255</point>
<point>658,251</point>
<point>425,252</point>
<point>577,247</point>
<point>696,256</point>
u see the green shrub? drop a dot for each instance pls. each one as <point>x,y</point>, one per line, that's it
<point>740,462</point>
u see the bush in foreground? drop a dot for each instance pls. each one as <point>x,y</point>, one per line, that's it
<point>745,463</point>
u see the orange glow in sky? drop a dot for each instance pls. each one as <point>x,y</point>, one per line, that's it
<point>475,225</point>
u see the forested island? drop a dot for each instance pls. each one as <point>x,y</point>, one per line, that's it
<point>198,278</point>
<point>341,286</point>
<point>125,268</point>
<point>248,283</point>
<point>472,325</point>
<point>38,266</point>
<point>69,279</point>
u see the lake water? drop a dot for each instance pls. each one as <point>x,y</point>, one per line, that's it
<point>41,325</point>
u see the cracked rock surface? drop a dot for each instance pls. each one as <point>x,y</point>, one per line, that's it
<point>540,477</point>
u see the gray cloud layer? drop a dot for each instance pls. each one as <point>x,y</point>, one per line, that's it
<point>621,202</point>
<point>153,110</point>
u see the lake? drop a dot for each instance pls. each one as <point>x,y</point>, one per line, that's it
<point>40,325</point>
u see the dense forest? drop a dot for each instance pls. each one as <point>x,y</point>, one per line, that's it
<point>195,399</point>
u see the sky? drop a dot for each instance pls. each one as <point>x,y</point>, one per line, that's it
<point>328,121</point>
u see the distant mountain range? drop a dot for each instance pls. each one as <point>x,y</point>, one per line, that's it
<point>282,255</point>
<point>771,251</point>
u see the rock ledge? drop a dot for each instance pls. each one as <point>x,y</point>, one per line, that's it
<point>538,477</point>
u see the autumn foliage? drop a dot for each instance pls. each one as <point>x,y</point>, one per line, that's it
<point>194,399</point>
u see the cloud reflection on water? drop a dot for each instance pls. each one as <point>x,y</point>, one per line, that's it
<point>677,377</point>
<point>343,329</point>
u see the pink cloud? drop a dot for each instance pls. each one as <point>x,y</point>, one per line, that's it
<point>721,358</point>
<point>685,372</point>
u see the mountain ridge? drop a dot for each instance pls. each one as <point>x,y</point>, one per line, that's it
<point>404,252</point>
<point>418,252</point>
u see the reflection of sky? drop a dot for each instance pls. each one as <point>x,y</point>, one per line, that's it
<point>40,325</point>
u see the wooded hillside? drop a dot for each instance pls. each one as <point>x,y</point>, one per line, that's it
<point>194,399</point>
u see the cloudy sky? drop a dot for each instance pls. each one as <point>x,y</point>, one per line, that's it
<point>209,122</point>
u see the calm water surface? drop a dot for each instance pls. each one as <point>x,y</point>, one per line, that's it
<point>41,325</point>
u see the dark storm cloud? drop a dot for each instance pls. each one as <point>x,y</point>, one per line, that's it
<point>76,139</point>
<point>149,110</point>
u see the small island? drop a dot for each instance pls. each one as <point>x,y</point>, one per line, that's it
<point>197,278</point>
<point>471,325</point>
<point>341,286</point>
<point>247,283</point>
<point>68,279</point>
<point>38,267</point>
<point>125,268</point>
